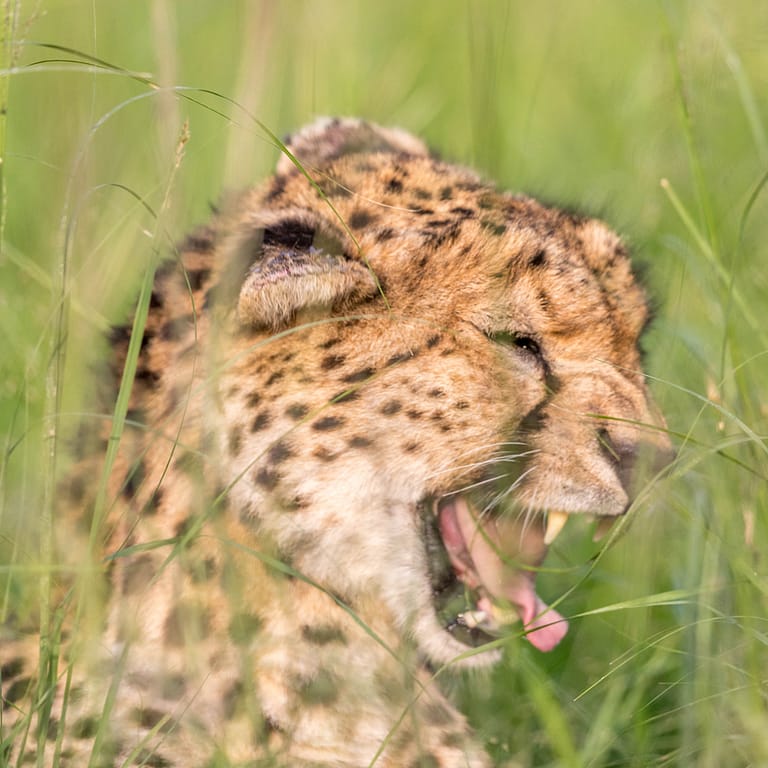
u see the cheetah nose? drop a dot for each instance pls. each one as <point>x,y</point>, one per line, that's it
<point>635,460</point>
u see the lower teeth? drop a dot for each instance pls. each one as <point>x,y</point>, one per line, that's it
<point>473,619</point>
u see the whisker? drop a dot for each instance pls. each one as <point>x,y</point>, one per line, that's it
<point>507,457</point>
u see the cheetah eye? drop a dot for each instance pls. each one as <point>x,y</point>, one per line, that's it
<point>516,340</point>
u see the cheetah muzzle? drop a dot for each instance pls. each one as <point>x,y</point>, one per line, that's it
<point>369,395</point>
<point>483,574</point>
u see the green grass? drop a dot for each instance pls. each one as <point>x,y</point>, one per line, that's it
<point>650,114</point>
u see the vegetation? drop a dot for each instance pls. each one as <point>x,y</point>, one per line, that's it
<point>125,120</point>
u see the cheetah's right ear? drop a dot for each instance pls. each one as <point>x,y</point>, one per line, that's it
<point>295,264</point>
<point>328,139</point>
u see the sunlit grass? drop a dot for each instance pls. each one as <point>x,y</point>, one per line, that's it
<point>651,115</point>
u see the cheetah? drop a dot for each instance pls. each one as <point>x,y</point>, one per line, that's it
<point>369,394</point>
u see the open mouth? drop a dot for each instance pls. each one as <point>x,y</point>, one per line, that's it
<point>483,570</point>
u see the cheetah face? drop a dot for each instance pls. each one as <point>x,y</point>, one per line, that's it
<point>438,374</point>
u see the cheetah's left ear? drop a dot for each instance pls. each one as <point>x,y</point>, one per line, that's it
<point>298,263</point>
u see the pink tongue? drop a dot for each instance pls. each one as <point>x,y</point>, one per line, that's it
<point>474,547</point>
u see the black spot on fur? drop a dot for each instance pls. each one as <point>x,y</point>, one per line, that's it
<point>148,376</point>
<point>266,478</point>
<point>433,341</point>
<point>465,213</point>
<point>153,760</point>
<point>199,241</point>
<point>279,452</point>
<point>174,329</point>
<point>16,691</point>
<point>156,300</point>
<point>262,420</point>
<point>447,234</point>
<point>137,574</point>
<point>231,701</point>
<point>439,223</point>
<point>361,375</point>
<point>85,727</point>
<point>391,408</point>
<point>190,463</point>
<point>52,731</point>
<point>493,227</point>
<point>453,739</point>
<point>332,342</point>
<point>401,358</point>
<point>323,634</point>
<point>11,668</point>
<point>446,193</point>
<point>394,186</point>
<point>436,713</point>
<point>197,277</point>
<point>436,392</point>
<point>486,201</point>
<point>359,442</point>
<point>276,189</point>
<point>414,414</point>
<point>297,411</point>
<point>185,619</point>
<point>153,502</point>
<point>292,234</point>
<point>411,447</point>
<point>134,480</point>
<point>182,528</point>
<point>235,440</point>
<point>539,260</point>
<point>329,362</point>
<point>253,400</point>
<point>360,219</point>
<point>387,233</point>
<point>327,423</point>
<point>243,627</point>
<point>148,717</point>
<point>202,571</point>
<point>76,489</point>
<point>320,691</point>
<point>274,378</point>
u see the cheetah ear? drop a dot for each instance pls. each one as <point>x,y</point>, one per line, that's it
<point>299,265</point>
<point>328,139</point>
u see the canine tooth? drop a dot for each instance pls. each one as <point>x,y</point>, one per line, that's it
<point>555,522</point>
<point>604,525</point>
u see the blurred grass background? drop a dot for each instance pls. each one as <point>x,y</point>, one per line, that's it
<point>587,104</point>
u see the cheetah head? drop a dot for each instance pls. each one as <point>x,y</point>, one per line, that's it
<point>437,375</point>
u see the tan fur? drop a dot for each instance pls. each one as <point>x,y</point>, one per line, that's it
<point>341,360</point>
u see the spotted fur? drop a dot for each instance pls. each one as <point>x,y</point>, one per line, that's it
<point>366,333</point>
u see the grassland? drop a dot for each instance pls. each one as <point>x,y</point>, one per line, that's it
<point>650,114</point>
